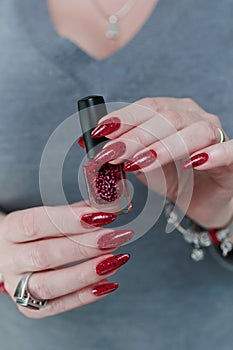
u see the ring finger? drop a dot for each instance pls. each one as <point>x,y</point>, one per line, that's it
<point>52,284</point>
<point>175,147</point>
<point>74,300</point>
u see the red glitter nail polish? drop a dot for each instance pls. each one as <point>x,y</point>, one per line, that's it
<point>106,183</point>
<point>105,288</point>
<point>141,161</point>
<point>196,160</point>
<point>97,219</point>
<point>107,127</point>
<point>111,264</point>
<point>114,239</point>
<point>111,152</point>
<point>81,142</point>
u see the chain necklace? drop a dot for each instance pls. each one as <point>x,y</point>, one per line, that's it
<point>113,31</point>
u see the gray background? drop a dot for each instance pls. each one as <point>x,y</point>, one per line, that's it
<point>166,301</point>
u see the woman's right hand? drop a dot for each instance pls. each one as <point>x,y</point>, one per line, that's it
<point>31,242</point>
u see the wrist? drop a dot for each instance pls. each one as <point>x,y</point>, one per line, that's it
<point>212,215</point>
<point>197,234</point>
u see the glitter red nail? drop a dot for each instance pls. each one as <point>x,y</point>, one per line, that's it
<point>112,263</point>
<point>81,142</point>
<point>114,239</point>
<point>196,161</point>
<point>110,153</point>
<point>97,219</point>
<point>106,127</point>
<point>105,288</point>
<point>141,161</point>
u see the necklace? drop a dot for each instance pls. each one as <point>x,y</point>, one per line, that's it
<point>113,31</point>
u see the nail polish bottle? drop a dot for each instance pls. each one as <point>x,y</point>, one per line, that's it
<point>106,185</point>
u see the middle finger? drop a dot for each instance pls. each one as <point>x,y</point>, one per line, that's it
<point>55,252</point>
<point>157,128</point>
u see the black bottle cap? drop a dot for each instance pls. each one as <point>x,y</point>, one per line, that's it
<point>91,110</point>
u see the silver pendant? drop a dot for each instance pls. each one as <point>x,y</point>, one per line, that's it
<point>113,30</point>
<point>226,247</point>
<point>197,254</point>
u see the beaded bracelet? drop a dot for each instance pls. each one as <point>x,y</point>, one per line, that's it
<point>197,235</point>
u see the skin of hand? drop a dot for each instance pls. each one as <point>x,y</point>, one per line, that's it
<point>31,241</point>
<point>156,133</point>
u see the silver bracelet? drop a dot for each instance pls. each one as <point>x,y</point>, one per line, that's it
<point>198,236</point>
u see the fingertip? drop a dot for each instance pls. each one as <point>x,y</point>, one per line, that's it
<point>196,161</point>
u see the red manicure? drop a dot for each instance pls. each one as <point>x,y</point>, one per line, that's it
<point>2,288</point>
<point>81,142</point>
<point>112,263</point>
<point>141,161</point>
<point>107,127</point>
<point>97,219</point>
<point>195,161</point>
<point>110,152</point>
<point>105,288</point>
<point>114,239</point>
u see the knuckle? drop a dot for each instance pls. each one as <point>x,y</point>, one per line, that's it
<point>150,102</point>
<point>38,257</point>
<point>40,288</point>
<point>210,132</point>
<point>175,119</point>
<point>81,299</point>
<point>27,223</point>
<point>140,138</point>
<point>214,119</point>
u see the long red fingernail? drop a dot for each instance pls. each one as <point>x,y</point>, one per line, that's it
<point>106,127</point>
<point>141,161</point>
<point>97,219</point>
<point>2,288</point>
<point>81,142</point>
<point>115,239</point>
<point>110,153</point>
<point>112,263</point>
<point>195,161</point>
<point>105,288</point>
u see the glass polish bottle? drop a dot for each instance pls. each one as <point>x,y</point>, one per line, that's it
<point>106,185</point>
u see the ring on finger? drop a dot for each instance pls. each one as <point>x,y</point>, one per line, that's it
<point>222,135</point>
<point>24,298</point>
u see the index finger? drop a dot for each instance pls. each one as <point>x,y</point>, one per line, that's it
<point>43,222</point>
<point>118,122</point>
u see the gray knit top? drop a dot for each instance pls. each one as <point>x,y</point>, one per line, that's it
<point>166,301</point>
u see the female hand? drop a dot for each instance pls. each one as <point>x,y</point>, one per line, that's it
<point>157,132</point>
<point>31,242</point>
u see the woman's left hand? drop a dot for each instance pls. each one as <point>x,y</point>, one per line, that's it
<point>157,132</point>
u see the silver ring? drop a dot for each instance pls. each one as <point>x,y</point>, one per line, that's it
<point>222,135</point>
<point>23,297</point>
